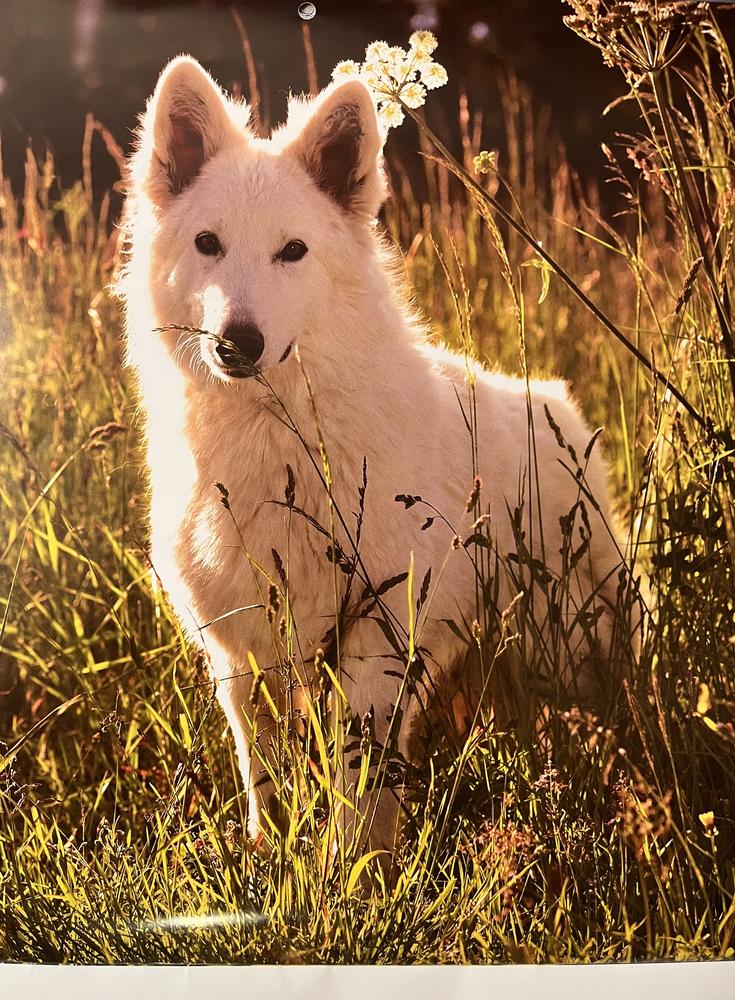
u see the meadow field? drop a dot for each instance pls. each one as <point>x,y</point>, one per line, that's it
<point>551,835</point>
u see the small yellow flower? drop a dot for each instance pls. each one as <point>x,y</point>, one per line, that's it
<point>347,68</point>
<point>707,819</point>
<point>413,95</point>
<point>391,114</point>
<point>434,75</point>
<point>485,162</point>
<point>423,42</point>
<point>704,701</point>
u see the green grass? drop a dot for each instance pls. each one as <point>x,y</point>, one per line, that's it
<point>566,840</point>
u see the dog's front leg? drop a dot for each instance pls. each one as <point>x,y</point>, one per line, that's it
<point>383,710</point>
<point>254,709</point>
<point>402,712</point>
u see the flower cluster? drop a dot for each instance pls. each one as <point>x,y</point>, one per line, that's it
<point>395,76</point>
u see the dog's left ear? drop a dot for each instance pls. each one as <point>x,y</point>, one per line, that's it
<point>340,143</point>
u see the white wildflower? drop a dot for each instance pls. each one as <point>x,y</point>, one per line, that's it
<point>396,62</point>
<point>421,61</point>
<point>374,66</point>
<point>413,95</point>
<point>378,83</point>
<point>347,68</point>
<point>434,76</point>
<point>377,52</point>
<point>391,114</point>
<point>423,42</point>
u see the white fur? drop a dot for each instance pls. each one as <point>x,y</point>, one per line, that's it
<point>381,392</point>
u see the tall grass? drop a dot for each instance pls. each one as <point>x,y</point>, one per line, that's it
<point>572,838</point>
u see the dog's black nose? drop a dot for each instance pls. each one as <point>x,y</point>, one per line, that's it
<point>247,341</point>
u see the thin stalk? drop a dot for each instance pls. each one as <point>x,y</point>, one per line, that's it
<point>690,212</point>
<point>479,192</point>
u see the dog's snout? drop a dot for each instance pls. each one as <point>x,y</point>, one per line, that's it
<point>247,340</point>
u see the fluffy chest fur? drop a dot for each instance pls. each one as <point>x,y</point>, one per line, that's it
<point>406,434</point>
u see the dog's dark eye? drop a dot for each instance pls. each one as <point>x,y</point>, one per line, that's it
<point>293,250</point>
<point>208,244</point>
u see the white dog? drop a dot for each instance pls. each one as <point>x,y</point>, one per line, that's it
<point>267,253</point>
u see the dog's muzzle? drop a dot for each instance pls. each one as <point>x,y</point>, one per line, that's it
<point>240,349</point>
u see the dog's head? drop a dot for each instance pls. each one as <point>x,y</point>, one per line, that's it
<point>251,239</point>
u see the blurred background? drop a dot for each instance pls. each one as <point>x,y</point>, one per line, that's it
<point>60,59</point>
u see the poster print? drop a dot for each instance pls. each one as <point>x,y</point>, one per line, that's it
<point>367,483</point>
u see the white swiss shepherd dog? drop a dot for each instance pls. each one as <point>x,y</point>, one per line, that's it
<point>267,253</point>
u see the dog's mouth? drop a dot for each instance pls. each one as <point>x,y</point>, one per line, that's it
<point>231,363</point>
<point>237,372</point>
<point>236,367</point>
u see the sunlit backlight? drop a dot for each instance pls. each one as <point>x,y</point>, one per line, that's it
<point>203,922</point>
<point>87,15</point>
<point>426,17</point>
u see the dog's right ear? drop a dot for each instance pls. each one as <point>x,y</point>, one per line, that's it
<point>338,140</point>
<point>188,119</point>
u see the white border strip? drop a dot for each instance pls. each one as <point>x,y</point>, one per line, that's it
<point>681,981</point>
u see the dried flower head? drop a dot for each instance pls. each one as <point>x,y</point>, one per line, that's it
<point>474,497</point>
<point>274,603</point>
<point>638,37</point>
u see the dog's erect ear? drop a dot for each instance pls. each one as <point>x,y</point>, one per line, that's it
<point>186,122</point>
<point>340,143</point>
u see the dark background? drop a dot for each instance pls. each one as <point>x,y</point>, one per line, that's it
<point>62,58</point>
